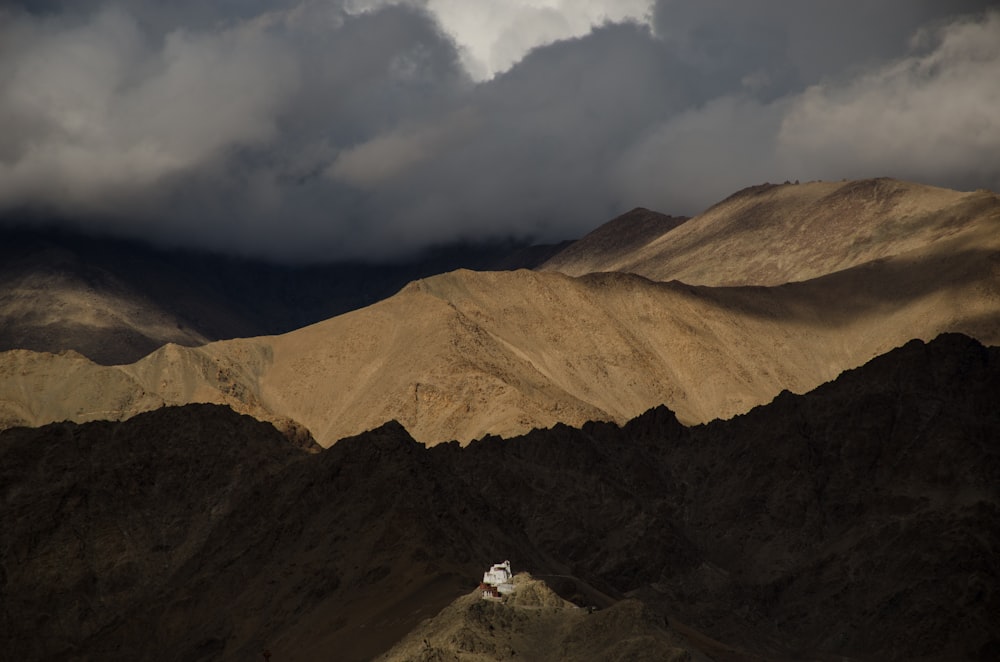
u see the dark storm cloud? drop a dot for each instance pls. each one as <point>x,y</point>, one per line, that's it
<point>311,129</point>
<point>924,114</point>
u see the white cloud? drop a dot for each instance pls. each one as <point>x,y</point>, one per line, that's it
<point>932,115</point>
<point>493,36</point>
<point>105,114</point>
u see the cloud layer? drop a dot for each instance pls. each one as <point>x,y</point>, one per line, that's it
<point>310,130</point>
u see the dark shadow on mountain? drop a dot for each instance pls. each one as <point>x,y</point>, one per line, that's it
<point>860,521</point>
<point>618,238</point>
<point>206,295</point>
<point>877,287</point>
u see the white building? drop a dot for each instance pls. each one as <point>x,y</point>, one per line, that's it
<point>497,581</point>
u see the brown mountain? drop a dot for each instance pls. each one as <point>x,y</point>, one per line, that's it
<point>464,354</point>
<point>774,234</point>
<point>859,521</point>
<point>615,241</point>
<point>116,300</point>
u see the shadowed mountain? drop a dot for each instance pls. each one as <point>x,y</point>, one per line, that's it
<point>534,623</point>
<point>115,300</point>
<point>615,241</point>
<point>774,234</point>
<point>859,521</point>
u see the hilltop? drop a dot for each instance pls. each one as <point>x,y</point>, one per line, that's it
<point>778,233</point>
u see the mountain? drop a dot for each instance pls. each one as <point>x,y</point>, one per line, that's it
<point>615,241</point>
<point>116,300</point>
<point>859,521</point>
<point>465,354</point>
<point>534,623</point>
<point>773,234</point>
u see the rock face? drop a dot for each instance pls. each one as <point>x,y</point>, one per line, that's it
<point>860,520</point>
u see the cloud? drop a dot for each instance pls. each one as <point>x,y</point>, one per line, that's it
<point>493,36</point>
<point>101,115</point>
<point>388,155</point>
<point>932,115</point>
<point>927,116</point>
<point>703,154</point>
<point>316,129</point>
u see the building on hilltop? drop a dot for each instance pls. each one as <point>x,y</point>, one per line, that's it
<point>497,581</point>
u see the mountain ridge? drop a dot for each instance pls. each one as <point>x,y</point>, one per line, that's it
<point>772,234</point>
<point>117,300</point>
<point>853,521</point>
<point>505,352</point>
<point>462,354</point>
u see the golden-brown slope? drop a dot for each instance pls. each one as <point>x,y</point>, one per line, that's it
<point>464,354</point>
<point>773,234</point>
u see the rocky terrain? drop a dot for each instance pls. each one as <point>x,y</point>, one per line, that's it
<point>859,521</point>
<point>534,623</point>
<point>773,234</point>
<point>617,240</point>
<point>114,300</point>
<point>464,354</point>
<point>818,486</point>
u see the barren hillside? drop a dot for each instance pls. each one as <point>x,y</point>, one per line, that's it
<point>465,354</point>
<point>115,300</point>
<point>534,624</point>
<point>859,521</point>
<point>615,241</point>
<point>53,299</point>
<point>773,234</point>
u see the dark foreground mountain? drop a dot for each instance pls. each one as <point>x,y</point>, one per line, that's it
<point>116,300</point>
<point>858,521</point>
<point>534,623</point>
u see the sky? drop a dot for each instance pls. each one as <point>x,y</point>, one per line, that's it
<point>316,130</point>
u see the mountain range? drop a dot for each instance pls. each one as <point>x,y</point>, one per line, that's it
<point>463,354</point>
<point>766,432</point>
<point>115,300</point>
<point>858,521</point>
